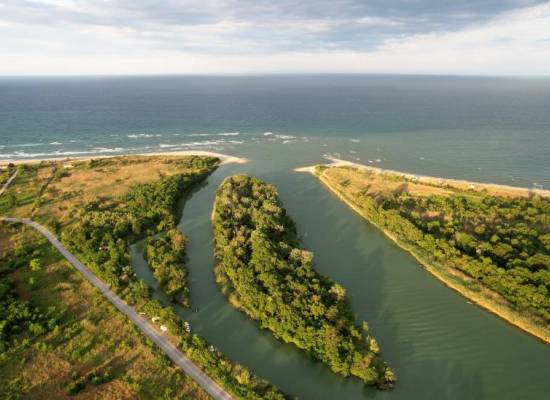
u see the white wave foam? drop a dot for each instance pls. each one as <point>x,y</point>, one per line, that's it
<point>268,133</point>
<point>25,145</point>
<point>355,140</point>
<point>143,135</point>
<point>285,137</point>
<point>166,146</point>
<point>56,143</point>
<point>205,143</point>
<point>214,134</point>
<point>60,153</point>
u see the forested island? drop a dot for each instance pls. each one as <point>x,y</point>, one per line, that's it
<point>166,257</point>
<point>265,273</point>
<point>99,207</point>
<point>492,248</point>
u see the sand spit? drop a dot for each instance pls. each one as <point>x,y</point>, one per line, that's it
<point>225,159</point>
<point>490,188</point>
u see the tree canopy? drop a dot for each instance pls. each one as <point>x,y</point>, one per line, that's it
<point>269,277</point>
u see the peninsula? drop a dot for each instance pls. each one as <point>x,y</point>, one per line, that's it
<point>490,243</point>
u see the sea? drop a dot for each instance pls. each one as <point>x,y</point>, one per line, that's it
<point>441,346</point>
<point>486,129</point>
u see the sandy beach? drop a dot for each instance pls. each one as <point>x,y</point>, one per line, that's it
<point>225,159</point>
<point>490,188</point>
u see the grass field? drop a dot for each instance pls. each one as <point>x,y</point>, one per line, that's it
<point>51,190</point>
<point>92,342</point>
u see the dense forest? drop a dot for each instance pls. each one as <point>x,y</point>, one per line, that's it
<point>166,257</point>
<point>500,242</point>
<point>266,275</point>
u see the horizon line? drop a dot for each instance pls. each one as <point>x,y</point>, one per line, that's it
<point>267,74</point>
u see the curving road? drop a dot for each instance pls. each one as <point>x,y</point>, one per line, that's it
<point>209,385</point>
<point>11,178</point>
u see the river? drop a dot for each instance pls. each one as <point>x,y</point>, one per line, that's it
<point>441,346</point>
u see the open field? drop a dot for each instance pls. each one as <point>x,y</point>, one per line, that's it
<point>51,190</point>
<point>91,343</point>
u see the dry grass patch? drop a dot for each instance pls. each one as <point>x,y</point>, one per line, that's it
<point>91,338</point>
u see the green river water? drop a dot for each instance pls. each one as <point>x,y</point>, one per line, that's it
<point>441,346</point>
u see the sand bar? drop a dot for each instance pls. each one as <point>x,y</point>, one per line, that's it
<point>225,159</point>
<point>491,188</point>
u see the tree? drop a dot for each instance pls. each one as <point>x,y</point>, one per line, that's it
<point>35,265</point>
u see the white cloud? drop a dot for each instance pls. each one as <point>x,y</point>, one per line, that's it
<point>513,43</point>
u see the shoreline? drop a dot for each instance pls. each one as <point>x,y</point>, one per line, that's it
<point>453,279</point>
<point>461,184</point>
<point>224,158</point>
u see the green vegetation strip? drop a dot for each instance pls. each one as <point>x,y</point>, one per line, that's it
<point>493,250</point>
<point>166,257</point>
<point>265,274</point>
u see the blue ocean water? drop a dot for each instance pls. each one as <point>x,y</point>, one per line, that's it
<point>488,129</point>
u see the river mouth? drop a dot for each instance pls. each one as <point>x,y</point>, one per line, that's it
<point>440,346</point>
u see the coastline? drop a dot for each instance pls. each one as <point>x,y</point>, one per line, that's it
<point>461,184</point>
<point>224,158</point>
<point>454,279</point>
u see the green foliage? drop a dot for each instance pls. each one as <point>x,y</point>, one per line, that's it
<point>166,257</point>
<point>503,243</point>
<point>76,387</point>
<point>18,317</point>
<point>273,281</point>
<point>101,238</point>
<point>35,264</point>
<point>104,230</point>
<point>234,377</point>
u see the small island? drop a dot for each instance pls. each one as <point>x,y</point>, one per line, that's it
<point>265,273</point>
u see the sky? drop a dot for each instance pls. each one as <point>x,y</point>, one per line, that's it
<point>127,37</point>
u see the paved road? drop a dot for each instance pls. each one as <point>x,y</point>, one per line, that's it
<point>12,177</point>
<point>171,351</point>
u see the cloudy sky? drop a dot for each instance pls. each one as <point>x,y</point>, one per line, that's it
<point>480,37</point>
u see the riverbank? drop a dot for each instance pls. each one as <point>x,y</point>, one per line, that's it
<point>224,158</point>
<point>451,277</point>
<point>458,184</point>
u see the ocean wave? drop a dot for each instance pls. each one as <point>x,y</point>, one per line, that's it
<point>60,153</point>
<point>214,134</point>
<point>268,133</point>
<point>56,143</point>
<point>205,143</point>
<point>165,146</point>
<point>285,137</point>
<point>25,145</point>
<point>144,135</point>
<point>355,140</point>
